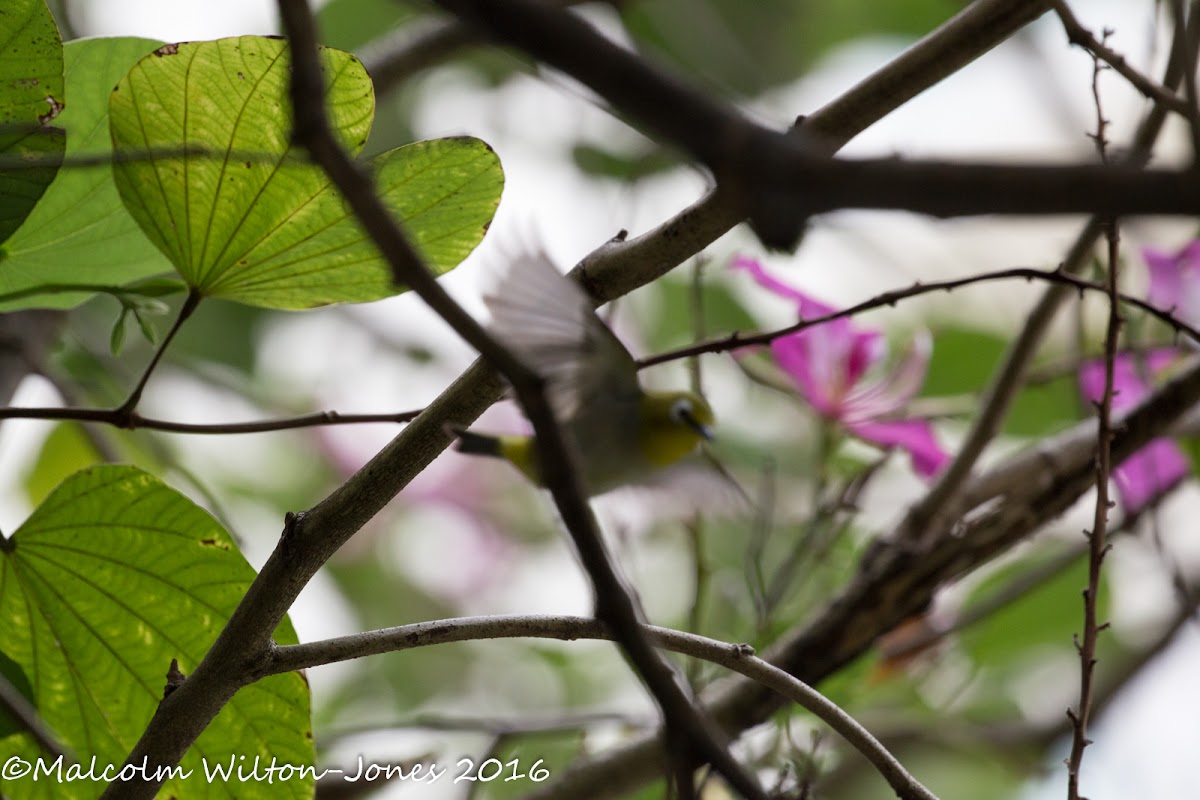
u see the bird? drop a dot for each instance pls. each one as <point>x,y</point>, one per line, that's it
<point>626,435</point>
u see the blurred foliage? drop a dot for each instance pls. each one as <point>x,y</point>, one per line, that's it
<point>764,577</point>
<point>349,24</point>
<point>746,48</point>
<point>962,364</point>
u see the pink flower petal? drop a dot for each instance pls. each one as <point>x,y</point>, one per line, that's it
<point>1166,279</point>
<point>1149,473</point>
<point>1130,371</point>
<point>889,394</point>
<point>1159,465</point>
<point>912,435</point>
<point>829,361</point>
<point>1175,280</point>
<point>866,349</point>
<point>816,385</point>
<point>808,306</point>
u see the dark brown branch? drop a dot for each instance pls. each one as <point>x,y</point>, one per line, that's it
<point>691,734</point>
<point>1097,537</point>
<point>1082,37</point>
<point>737,657</point>
<point>780,179</point>
<point>417,46</point>
<point>1179,19</point>
<point>740,339</point>
<point>609,272</point>
<point>942,500</point>
<point>897,581</point>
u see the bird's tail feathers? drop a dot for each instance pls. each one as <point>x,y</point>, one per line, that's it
<point>476,444</point>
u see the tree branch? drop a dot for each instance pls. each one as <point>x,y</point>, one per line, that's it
<point>401,54</point>
<point>690,734</point>
<point>133,420</point>
<point>737,657</point>
<point>609,272</point>
<point>1082,37</point>
<point>781,179</point>
<point>897,579</point>
<point>941,500</point>
<point>739,339</point>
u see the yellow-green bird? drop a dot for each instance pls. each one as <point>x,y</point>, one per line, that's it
<point>625,434</point>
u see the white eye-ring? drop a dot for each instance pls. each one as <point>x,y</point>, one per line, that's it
<point>681,410</point>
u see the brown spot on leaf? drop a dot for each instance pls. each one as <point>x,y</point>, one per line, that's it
<point>25,82</point>
<point>167,50</point>
<point>241,77</point>
<point>55,108</point>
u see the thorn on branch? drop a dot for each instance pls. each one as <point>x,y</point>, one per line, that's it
<point>175,678</point>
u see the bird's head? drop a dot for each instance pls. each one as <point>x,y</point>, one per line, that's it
<point>673,424</point>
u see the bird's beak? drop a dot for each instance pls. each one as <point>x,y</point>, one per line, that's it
<point>702,430</point>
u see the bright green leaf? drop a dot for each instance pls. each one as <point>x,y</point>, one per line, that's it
<point>31,95</point>
<point>116,339</point>
<point>156,287</point>
<point>443,191</point>
<point>80,233</point>
<point>109,579</point>
<point>249,218</point>
<point>144,325</point>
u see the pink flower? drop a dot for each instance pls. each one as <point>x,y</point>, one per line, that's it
<point>1175,281</point>
<point>1158,466</point>
<point>830,363</point>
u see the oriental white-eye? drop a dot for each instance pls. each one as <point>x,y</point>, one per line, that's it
<point>625,434</point>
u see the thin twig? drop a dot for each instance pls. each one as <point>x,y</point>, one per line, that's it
<point>737,657</point>
<point>740,339</point>
<point>139,156</point>
<point>1080,36</point>
<point>610,271</point>
<point>689,733</point>
<point>1098,536</point>
<point>942,501</point>
<point>1179,28</point>
<point>495,726</point>
<point>132,420</point>
<point>26,715</point>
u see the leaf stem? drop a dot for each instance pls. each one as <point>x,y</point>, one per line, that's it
<point>125,410</point>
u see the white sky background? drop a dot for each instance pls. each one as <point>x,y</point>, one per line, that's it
<point>1011,102</point>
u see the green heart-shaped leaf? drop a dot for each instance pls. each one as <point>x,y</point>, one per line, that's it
<point>114,575</point>
<point>241,212</point>
<point>31,95</point>
<point>444,192</point>
<point>80,233</point>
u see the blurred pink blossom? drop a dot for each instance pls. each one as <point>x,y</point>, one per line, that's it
<point>1175,281</point>
<point>1158,466</point>
<point>830,363</point>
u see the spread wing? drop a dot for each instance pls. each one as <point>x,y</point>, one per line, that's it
<point>549,322</point>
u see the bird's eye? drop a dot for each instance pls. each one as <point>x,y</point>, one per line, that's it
<point>681,409</point>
